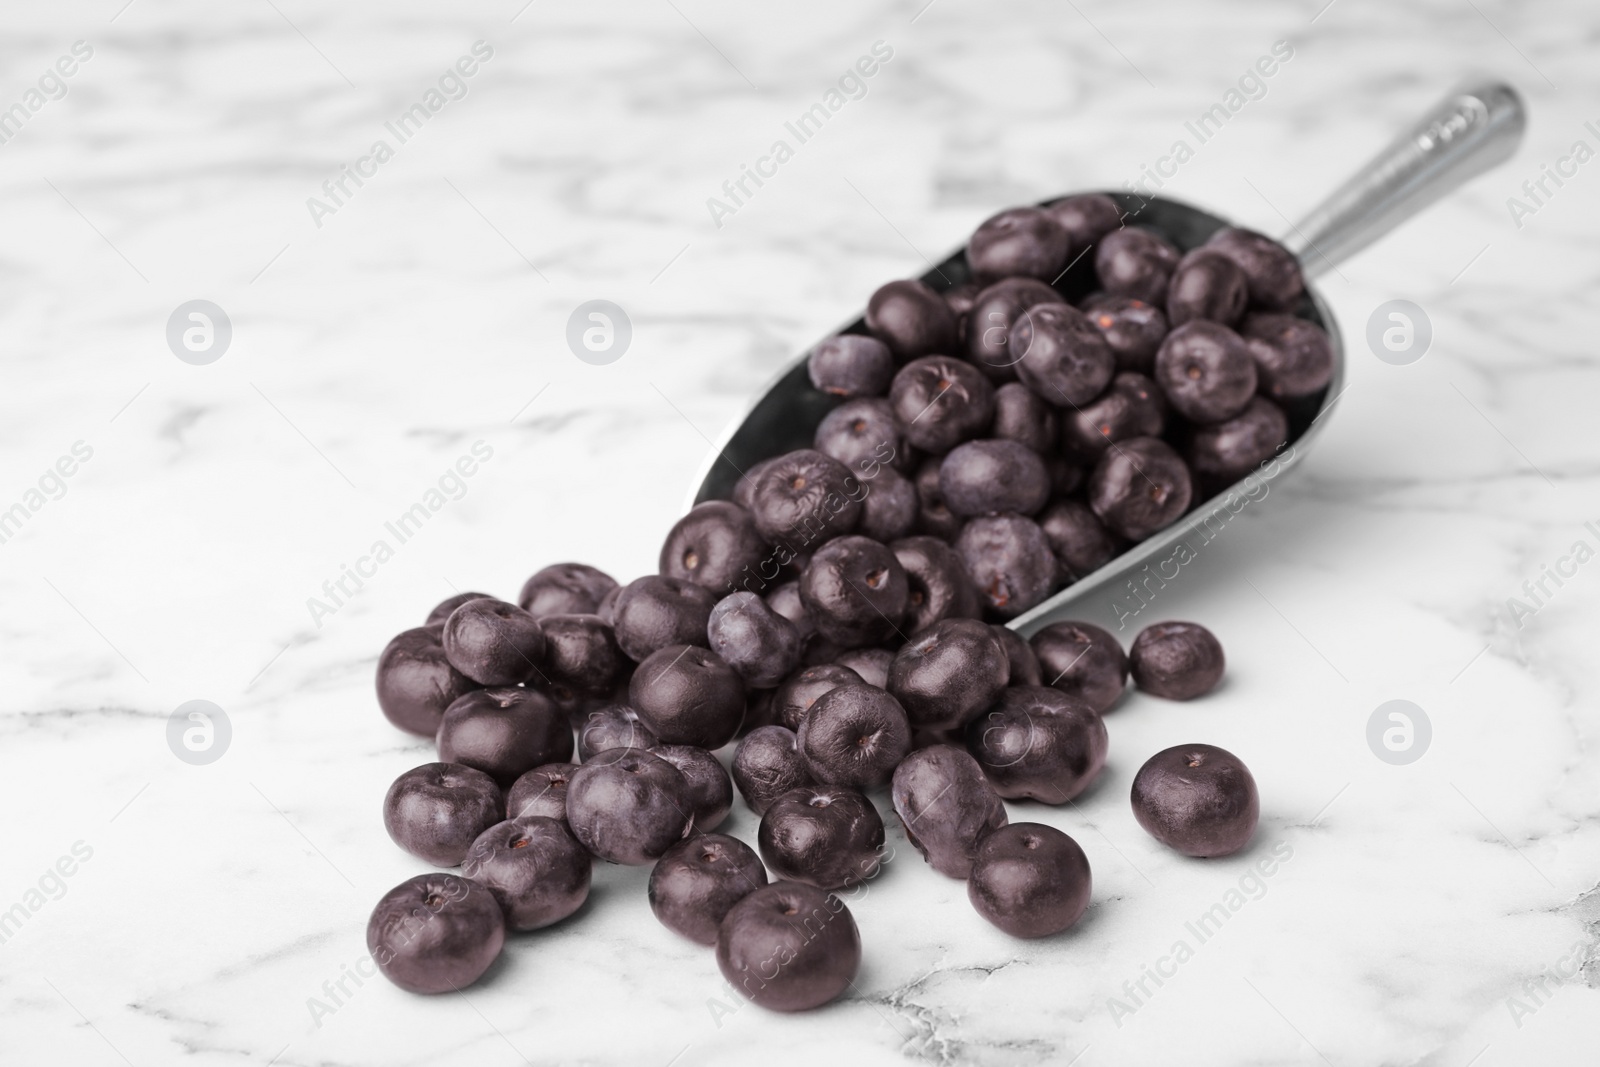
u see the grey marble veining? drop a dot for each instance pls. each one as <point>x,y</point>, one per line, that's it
<point>1439,913</point>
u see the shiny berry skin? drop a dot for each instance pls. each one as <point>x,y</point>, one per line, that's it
<point>1030,880</point>
<point>697,882</point>
<point>436,811</point>
<point>1294,358</point>
<point>789,947</point>
<point>1133,329</point>
<point>627,806</point>
<point>993,320</point>
<point>1020,241</point>
<point>912,320</point>
<point>687,695</point>
<point>566,589</point>
<point>801,495</point>
<point>613,726</point>
<point>716,545</point>
<point>435,933</point>
<point>1140,486</point>
<point>441,611</point>
<point>946,806</point>
<point>854,736</point>
<point>1078,539</point>
<point>1036,743</point>
<point>1198,799</point>
<point>541,791</point>
<point>826,836</point>
<point>1083,661</point>
<point>1205,371</point>
<point>938,585</point>
<point>768,764</point>
<point>949,673</point>
<point>1176,660</point>
<point>1224,452</point>
<point>1087,217</point>
<point>416,682</point>
<point>504,732</point>
<point>654,611</point>
<point>535,869</point>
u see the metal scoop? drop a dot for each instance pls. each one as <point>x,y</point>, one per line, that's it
<point>1474,128</point>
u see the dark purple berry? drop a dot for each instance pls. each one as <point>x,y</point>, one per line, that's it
<point>437,810</point>
<point>1222,453</point>
<point>855,590</point>
<point>1139,486</point>
<point>541,791</point>
<point>946,805</point>
<point>1024,665</point>
<point>416,681</point>
<point>826,836</point>
<point>941,401</point>
<point>803,688</point>
<point>934,518</point>
<point>1198,799</point>
<point>854,736</point>
<point>802,495</point>
<point>581,654</point>
<point>688,695</point>
<point>535,869</point>
<point>1078,539</point>
<point>872,664</point>
<point>891,508</point>
<point>566,589</point>
<point>492,642</point>
<point>789,947</point>
<point>1206,371</point>
<point>913,320</point>
<point>714,546</point>
<point>1083,661</point>
<point>710,788</point>
<point>1087,217</point>
<point>613,726</point>
<point>1065,358</point>
<point>1176,660</point>
<point>1021,416</point>
<point>1030,880</point>
<point>1009,561</point>
<point>504,732</point>
<point>1206,285</point>
<point>1131,407</point>
<point>435,933</point>
<point>1025,241</point>
<point>1271,271</point>
<point>861,434</point>
<point>627,806</point>
<point>949,673</point>
<point>768,764</point>
<point>993,475</point>
<point>441,611</point>
<point>697,882</point>
<point>851,365</point>
<point>1037,743</point>
<point>1294,358</point>
<point>760,645</point>
<point>993,320</point>
<point>938,586</point>
<point>653,612</point>
<point>1133,329</point>
<point>1136,263</point>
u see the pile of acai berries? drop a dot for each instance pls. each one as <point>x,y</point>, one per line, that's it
<point>842,618</point>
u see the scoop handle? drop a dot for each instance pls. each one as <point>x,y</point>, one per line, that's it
<point>1477,126</point>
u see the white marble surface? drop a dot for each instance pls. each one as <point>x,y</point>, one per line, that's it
<point>428,311</point>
